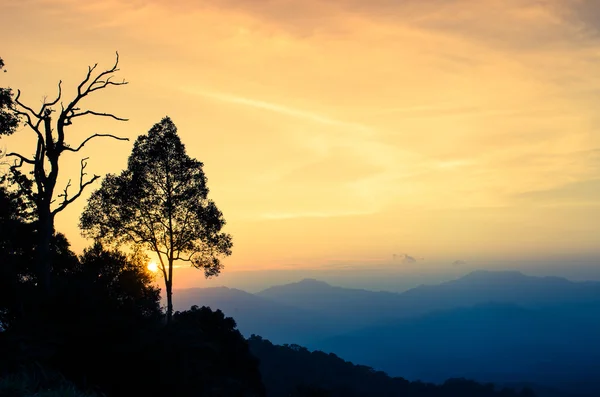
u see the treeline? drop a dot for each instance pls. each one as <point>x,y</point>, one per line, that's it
<point>103,330</point>
<point>292,370</point>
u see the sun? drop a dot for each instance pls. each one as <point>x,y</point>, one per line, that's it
<point>153,267</point>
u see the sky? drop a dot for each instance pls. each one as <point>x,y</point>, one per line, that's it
<point>414,137</point>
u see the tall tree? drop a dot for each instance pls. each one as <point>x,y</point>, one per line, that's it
<point>51,131</point>
<point>160,203</point>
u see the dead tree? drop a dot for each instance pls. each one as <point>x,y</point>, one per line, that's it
<point>51,132</point>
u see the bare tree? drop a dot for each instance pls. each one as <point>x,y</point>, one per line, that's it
<point>51,131</point>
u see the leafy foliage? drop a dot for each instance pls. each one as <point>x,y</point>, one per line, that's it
<point>8,119</point>
<point>18,277</point>
<point>160,203</point>
<point>200,353</point>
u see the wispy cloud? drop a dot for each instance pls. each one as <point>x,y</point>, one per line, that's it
<point>279,108</point>
<point>304,215</point>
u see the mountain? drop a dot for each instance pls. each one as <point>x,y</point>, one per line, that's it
<point>508,286</point>
<point>489,342</point>
<point>356,307</point>
<point>257,315</point>
<point>351,308</point>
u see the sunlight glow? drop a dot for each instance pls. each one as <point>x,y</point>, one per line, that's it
<point>153,267</point>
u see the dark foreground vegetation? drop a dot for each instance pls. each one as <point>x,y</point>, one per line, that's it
<point>292,370</point>
<point>92,325</point>
<point>103,331</point>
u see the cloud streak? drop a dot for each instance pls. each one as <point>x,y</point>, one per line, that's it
<point>280,109</point>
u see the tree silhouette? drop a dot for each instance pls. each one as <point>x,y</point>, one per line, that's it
<point>51,144</point>
<point>8,119</point>
<point>160,203</point>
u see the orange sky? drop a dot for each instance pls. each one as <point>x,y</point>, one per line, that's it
<point>347,130</point>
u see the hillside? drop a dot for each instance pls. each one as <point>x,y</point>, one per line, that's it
<point>292,370</point>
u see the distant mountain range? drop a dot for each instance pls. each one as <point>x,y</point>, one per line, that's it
<point>488,326</point>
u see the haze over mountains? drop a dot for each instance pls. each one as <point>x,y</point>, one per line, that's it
<point>489,326</point>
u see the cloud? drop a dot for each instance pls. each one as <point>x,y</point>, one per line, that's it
<point>585,14</point>
<point>506,24</point>
<point>279,108</point>
<point>404,259</point>
<point>308,214</point>
<point>586,192</point>
<point>459,263</point>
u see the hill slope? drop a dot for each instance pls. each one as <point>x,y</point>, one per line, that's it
<point>295,371</point>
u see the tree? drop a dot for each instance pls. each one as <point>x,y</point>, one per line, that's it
<point>8,119</point>
<point>19,295</point>
<point>50,132</point>
<point>160,203</point>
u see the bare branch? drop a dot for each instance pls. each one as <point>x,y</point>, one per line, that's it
<point>92,137</point>
<point>65,193</point>
<point>95,84</point>
<point>22,158</point>
<point>98,84</point>
<point>54,102</point>
<point>87,78</point>
<point>73,115</point>
<point>25,106</point>
<point>106,83</point>
<point>82,185</point>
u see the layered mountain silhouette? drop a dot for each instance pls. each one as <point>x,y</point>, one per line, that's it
<point>489,326</point>
<point>257,315</point>
<point>489,342</point>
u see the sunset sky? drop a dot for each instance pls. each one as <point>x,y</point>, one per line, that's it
<point>336,134</point>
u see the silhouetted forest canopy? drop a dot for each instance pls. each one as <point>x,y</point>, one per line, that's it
<point>92,324</point>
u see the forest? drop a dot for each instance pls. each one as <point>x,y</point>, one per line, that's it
<point>93,324</point>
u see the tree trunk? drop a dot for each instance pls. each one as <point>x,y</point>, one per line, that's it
<point>43,257</point>
<point>169,286</point>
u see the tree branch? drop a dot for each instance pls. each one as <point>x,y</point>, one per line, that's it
<point>25,106</point>
<point>28,121</point>
<point>95,84</point>
<point>87,78</point>
<point>65,192</point>
<point>54,102</point>
<point>22,158</point>
<point>92,137</point>
<point>82,185</point>
<point>73,115</point>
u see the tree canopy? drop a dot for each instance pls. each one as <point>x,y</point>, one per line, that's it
<point>8,119</point>
<point>160,203</point>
